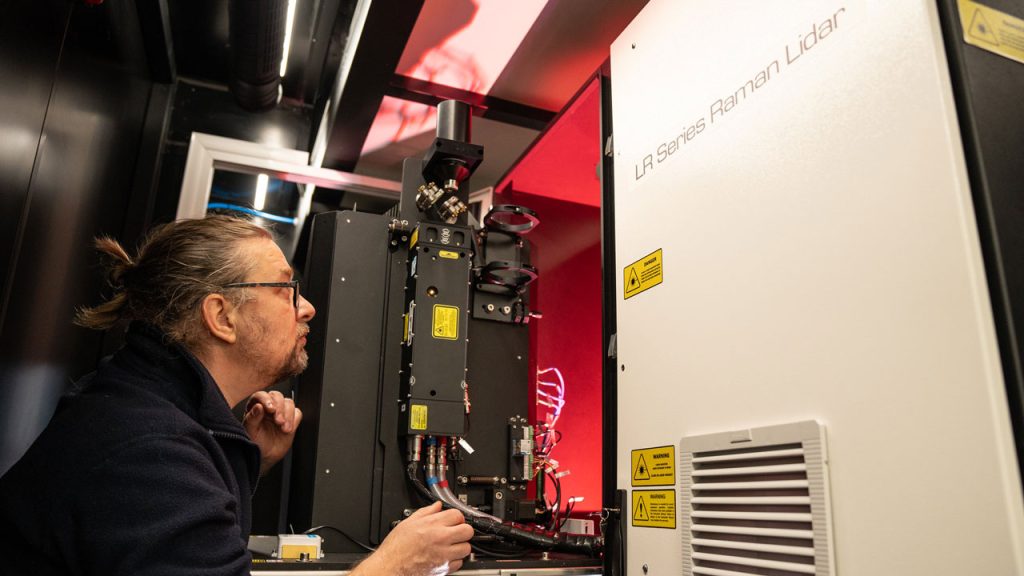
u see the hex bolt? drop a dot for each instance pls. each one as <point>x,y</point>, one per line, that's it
<point>407,512</point>
<point>504,480</point>
<point>490,307</point>
<point>498,495</point>
<point>506,310</point>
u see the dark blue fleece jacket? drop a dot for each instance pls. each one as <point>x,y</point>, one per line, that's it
<point>143,470</point>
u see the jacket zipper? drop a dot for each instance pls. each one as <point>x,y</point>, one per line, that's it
<point>246,440</point>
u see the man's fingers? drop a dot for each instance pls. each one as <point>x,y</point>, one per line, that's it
<point>454,566</point>
<point>298,418</point>
<point>460,551</point>
<point>461,533</point>
<point>451,517</point>
<point>260,397</point>
<point>287,414</point>
<point>426,510</point>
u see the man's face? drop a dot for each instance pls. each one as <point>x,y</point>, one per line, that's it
<point>273,333</point>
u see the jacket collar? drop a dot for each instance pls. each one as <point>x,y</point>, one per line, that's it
<point>172,372</point>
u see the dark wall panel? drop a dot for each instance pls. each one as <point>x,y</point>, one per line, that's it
<point>81,185</point>
<point>31,35</point>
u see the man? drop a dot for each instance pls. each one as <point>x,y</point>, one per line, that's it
<point>143,468</point>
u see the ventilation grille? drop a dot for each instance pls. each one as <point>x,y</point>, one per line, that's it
<point>756,502</point>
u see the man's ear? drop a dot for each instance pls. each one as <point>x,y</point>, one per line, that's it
<point>219,318</point>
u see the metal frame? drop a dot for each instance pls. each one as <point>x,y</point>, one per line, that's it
<point>491,107</point>
<point>208,153</point>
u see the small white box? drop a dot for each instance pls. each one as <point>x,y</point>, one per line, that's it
<point>578,526</point>
<point>293,546</point>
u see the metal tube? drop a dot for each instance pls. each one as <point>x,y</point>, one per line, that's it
<point>453,120</point>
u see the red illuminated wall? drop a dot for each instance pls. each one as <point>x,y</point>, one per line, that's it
<point>558,179</point>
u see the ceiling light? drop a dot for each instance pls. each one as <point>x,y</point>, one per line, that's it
<point>261,191</point>
<point>287,36</point>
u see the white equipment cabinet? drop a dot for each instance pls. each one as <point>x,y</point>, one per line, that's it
<point>800,167</point>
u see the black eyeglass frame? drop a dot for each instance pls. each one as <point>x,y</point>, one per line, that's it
<point>294,285</point>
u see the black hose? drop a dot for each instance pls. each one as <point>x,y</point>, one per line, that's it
<point>575,543</point>
<point>411,472</point>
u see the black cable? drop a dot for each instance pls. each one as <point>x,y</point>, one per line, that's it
<point>343,533</point>
<point>411,473</point>
<point>556,506</point>
<point>569,507</point>
<point>481,550</point>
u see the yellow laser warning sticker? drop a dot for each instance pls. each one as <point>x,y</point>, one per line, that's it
<point>449,254</point>
<point>418,417</point>
<point>642,275</point>
<point>654,466</point>
<point>992,30</point>
<point>446,322</point>
<point>654,508</point>
<point>415,238</point>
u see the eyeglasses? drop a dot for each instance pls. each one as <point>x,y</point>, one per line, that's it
<point>294,285</point>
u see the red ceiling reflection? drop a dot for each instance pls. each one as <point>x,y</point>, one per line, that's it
<point>462,44</point>
<point>563,163</point>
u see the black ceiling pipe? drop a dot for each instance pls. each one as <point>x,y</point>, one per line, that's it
<point>257,43</point>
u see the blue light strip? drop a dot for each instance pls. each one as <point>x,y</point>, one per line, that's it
<point>236,208</point>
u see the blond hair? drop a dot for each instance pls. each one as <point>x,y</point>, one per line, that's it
<point>174,269</point>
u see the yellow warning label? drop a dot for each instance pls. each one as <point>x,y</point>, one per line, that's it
<point>992,30</point>
<point>414,239</point>
<point>418,417</point>
<point>446,322</point>
<point>449,254</point>
<point>654,466</point>
<point>654,508</point>
<point>641,275</point>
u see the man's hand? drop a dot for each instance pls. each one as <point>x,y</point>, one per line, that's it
<point>271,420</point>
<point>427,543</point>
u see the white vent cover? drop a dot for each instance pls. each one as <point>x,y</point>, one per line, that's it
<point>756,502</point>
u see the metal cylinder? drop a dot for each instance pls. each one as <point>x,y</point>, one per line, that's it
<point>453,120</point>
